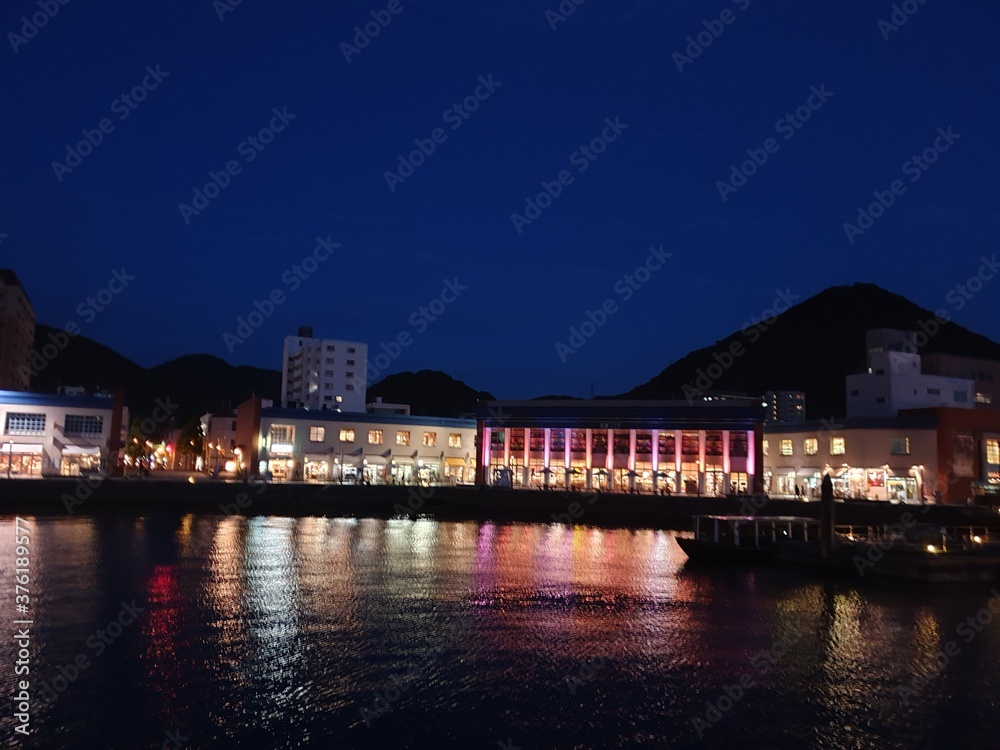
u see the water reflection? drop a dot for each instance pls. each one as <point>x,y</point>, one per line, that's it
<point>272,632</point>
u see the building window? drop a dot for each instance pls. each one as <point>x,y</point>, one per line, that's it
<point>578,441</point>
<point>340,399</point>
<point>766,449</point>
<point>350,361</point>
<point>933,391</point>
<point>430,439</point>
<point>84,426</point>
<point>689,443</point>
<point>557,441</point>
<point>374,437</point>
<point>961,397</point>
<point>350,375</point>
<point>880,400</point>
<point>984,398</point>
<point>347,434</point>
<point>838,446</point>
<point>455,439</point>
<point>667,442</point>
<point>25,424</point>
<point>786,447</point>
<point>993,452</point>
<point>329,360</point>
<point>899,446</point>
<point>283,434</point>
<point>350,350</point>
<point>403,437</point>
<point>880,372</point>
<point>810,446</point>
<point>855,392</point>
<point>317,434</point>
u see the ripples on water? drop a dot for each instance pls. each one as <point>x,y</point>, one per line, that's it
<point>283,633</point>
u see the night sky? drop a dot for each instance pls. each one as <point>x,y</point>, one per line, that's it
<point>541,86</point>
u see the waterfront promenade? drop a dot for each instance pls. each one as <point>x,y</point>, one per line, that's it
<point>96,496</point>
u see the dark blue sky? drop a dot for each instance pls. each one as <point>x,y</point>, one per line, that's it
<point>655,184</point>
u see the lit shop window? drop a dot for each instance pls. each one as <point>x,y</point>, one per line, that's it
<point>899,446</point>
<point>430,439</point>
<point>347,435</point>
<point>455,440</point>
<point>374,437</point>
<point>403,437</point>
<point>786,447</point>
<point>317,434</point>
<point>993,451</point>
<point>766,453</point>
<point>838,446</point>
<point>810,446</point>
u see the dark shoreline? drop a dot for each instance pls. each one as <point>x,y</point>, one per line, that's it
<point>94,497</point>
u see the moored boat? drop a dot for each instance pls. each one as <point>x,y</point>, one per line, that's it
<point>720,538</point>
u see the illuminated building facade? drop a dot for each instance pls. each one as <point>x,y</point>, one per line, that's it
<point>324,446</point>
<point>17,333</point>
<point>52,435</point>
<point>943,454</point>
<point>708,448</point>
<point>323,373</point>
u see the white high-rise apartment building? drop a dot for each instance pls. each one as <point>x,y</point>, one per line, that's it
<point>323,373</point>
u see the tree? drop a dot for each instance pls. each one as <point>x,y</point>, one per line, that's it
<point>191,442</point>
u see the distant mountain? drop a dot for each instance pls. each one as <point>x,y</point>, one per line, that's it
<point>195,384</point>
<point>811,348</point>
<point>429,393</point>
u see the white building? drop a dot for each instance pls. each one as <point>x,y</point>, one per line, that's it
<point>323,373</point>
<point>381,448</point>
<point>894,381</point>
<point>51,435</point>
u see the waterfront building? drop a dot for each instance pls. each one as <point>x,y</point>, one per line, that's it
<point>17,333</point>
<point>894,380</point>
<point>381,447</point>
<point>984,374</point>
<point>323,373</point>
<point>943,454</point>
<point>59,435</point>
<point>708,447</point>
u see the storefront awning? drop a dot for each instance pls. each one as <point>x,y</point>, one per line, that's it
<point>449,461</point>
<point>21,448</point>
<point>81,450</point>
